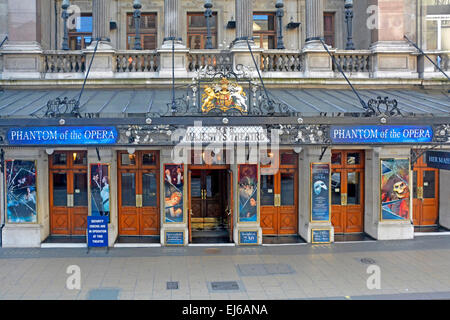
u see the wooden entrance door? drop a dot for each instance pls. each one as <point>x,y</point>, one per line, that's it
<point>138,181</point>
<point>347,191</point>
<point>68,192</point>
<point>425,194</point>
<point>278,196</point>
<point>208,199</point>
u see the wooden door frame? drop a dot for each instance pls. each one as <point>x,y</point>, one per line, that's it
<point>138,168</point>
<point>344,169</point>
<point>69,169</point>
<point>199,167</point>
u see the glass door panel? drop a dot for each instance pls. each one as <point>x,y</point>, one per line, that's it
<point>128,187</point>
<point>80,190</point>
<point>353,188</point>
<point>267,190</point>
<point>429,184</point>
<point>149,190</point>
<point>287,188</point>
<point>60,189</point>
<point>336,188</point>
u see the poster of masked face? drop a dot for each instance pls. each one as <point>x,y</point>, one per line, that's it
<point>21,191</point>
<point>320,192</point>
<point>100,190</point>
<point>173,193</point>
<point>395,189</point>
<point>248,192</point>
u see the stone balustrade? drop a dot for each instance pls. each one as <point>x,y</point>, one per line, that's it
<point>274,64</point>
<point>64,62</point>
<point>136,61</point>
<point>353,62</point>
<point>282,61</point>
<point>197,59</point>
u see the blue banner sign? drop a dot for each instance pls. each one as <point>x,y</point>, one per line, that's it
<point>174,238</point>
<point>381,134</point>
<point>438,159</point>
<point>320,193</point>
<point>97,231</point>
<point>62,135</point>
<point>248,237</point>
<point>320,236</point>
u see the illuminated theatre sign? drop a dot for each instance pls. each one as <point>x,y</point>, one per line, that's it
<point>381,134</point>
<point>62,135</point>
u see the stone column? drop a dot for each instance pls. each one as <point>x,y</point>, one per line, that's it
<point>314,23</point>
<point>392,55</point>
<point>171,23</point>
<point>22,50</point>
<point>244,22</point>
<point>100,23</point>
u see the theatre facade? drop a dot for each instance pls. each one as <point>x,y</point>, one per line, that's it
<point>254,123</point>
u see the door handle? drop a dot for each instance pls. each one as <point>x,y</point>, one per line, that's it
<point>420,193</point>
<point>190,211</point>
<point>277,200</point>
<point>70,200</point>
<point>343,199</point>
<point>139,201</point>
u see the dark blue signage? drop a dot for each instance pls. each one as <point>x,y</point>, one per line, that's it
<point>320,235</point>
<point>97,231</point>
<point>320,193</point>
<point>438,159</point>
<point>174,238</point>
<point>62,135</point>
<point>248,237</point>
<point>381,134</point>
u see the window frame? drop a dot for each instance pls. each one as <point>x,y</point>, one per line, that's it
<point>261,34</point>
<point>142,34</point>
<point>202,33</point>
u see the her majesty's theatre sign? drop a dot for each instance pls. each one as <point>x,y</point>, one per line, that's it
<point>62,135</point>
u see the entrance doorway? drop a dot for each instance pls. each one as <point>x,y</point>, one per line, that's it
<point>347,191</point>
<point>210,205</point>
<point>279,194</point>
<point>138,181</point>
<point>68,192</point>
<point>425,194</point>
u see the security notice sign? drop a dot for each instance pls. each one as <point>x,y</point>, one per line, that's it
<point>97,231</point>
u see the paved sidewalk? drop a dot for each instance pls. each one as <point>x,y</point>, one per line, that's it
<point>413,269</point>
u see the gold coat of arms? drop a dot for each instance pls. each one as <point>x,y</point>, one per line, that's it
<point>224,96</point>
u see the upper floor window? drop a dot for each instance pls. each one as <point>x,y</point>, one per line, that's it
<point>264,30</point>
<point>328,28</point>
<point>81,36</point>
<point>436,24</point>
<point>148,31</point>
<point>197,30</point>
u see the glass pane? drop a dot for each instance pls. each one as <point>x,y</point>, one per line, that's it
<point>149,190</point>
<point>271,42</point>
<point>260,22</point>
<point>336,188</point>
<point>80,198</point>
<point>267,190</point>
<point>415,184</point>
<point>196,21</point>
<point>83,24</point>
<point>59,189</point>
<point>127,159</point>
<point>149,159</point>
<point>445,34</point>
<point>87,41</point>
<point>288,158</point>
<point>336,158</point>
<point>196,187</point>
<point>431,35</point>
<point>212,184</point>
<point>353,158</point>
<point>59,159</point>
<point>79,158</point>
<point>128,189</point>
<point>265,42</point>
<point>353,192</point>
<point>287,189</point>
<point>429,183</point>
